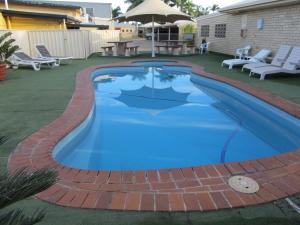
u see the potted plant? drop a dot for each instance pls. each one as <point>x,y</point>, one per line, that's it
<point>189,31</point>
<point>7,49</point>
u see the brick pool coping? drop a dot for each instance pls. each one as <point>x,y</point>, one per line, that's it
<point>198,188</point>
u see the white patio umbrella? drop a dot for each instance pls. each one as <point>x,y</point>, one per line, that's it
<point>149,25</point>
<point>153,10</point>
<point>184,22</point>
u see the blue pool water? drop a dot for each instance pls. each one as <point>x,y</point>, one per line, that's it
<point>154,116</point>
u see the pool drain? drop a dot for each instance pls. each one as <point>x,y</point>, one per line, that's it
<point>243,184</point>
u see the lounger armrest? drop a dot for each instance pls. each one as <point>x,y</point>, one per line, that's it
<point>43,59</point>
<point>281,60</point>
<point>295,63</point>
<point>262,60</point>
<point>258,60</point>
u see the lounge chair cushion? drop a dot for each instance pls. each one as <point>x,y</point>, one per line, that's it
<point>24,57</point>
<point>293,60</point>
<point>278,60</point>
<point>43,51</point>
<point>281,55</point>
<point>251,66</point>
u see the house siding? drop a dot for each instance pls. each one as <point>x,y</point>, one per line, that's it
<point>281,26</point>
<point>43,9</point>
<point>102,10</point>
<point>22,23</point>
<point>18,23</point>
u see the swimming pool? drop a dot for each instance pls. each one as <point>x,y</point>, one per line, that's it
<point>155,116</point>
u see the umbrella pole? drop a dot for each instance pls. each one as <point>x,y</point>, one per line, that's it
<point>6,4</point>
<point>153,52</point>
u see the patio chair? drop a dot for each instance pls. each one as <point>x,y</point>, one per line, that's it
<point>21,58</point>
<point>278,60</point>
<point>242,53</point>
<point>259,57</point>
<point>45,54</point>
<point>291,66</point>
<point>204,48</point>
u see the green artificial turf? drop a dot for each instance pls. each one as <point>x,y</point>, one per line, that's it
<point>29,100</point>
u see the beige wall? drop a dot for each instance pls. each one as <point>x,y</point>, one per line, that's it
<point>77,43</point>
<point>281,26</point>
<point>127,32</point>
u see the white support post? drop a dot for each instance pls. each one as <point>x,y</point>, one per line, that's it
<point>6,4</point>
<point>153,50</point>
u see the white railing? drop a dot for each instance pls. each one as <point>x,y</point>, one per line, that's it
<point>77,43</point>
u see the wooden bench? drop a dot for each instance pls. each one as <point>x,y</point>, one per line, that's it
<point>131,50</point>
<point>175,49</point>
<point>158,48</point>
<point>191,49</point>
<point>107,50</point>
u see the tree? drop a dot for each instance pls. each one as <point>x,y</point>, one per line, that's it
<point>214,8</point>
<point>7,47</point>
<point>200,11</point>
<point>20,185</point>
<point>116,12</point>
<point>186,6</point>
<point>134,3</point>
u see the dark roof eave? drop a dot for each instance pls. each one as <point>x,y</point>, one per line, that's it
<point>257,6</point>
<point>6,12</point>
<point>88,25</point>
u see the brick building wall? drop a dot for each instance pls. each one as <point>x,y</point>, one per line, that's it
<point>281,26</point>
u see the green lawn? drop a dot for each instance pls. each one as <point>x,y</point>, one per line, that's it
<point>29,100</point>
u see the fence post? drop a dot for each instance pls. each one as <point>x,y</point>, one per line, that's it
<point>29,43</point>
<point>65,40</point>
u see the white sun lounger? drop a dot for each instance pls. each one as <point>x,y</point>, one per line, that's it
<point>259,57</point>
<point>291,66</point>
<point>21,58</point>
<point>278,60</point>
<point>45,54</point>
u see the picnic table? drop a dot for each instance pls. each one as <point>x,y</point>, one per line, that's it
<point>182,43</point>
<point>120,46</point>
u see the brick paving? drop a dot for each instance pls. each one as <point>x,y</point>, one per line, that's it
<point>198,188</point>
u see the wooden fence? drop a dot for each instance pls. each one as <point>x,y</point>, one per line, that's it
<point>77,43</point>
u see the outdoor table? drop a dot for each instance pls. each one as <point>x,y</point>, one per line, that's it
<point>177,42</point>
<point>120,46</point>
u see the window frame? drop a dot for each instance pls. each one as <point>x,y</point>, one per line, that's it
<point>90,8</point>
<point>220,30</point>
<point>202,30</point>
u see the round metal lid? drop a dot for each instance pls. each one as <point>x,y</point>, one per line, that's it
<point>243,184</point>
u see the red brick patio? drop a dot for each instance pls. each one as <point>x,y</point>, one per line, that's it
<point>198,188</point>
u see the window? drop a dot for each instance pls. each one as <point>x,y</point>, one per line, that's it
<point>205,31</point>
<point>89,11</point>
<point>127,31</point>
<point>220,31</point>
<point>130,30</point>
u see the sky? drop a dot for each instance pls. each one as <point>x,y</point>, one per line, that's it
<point>203,3</point>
